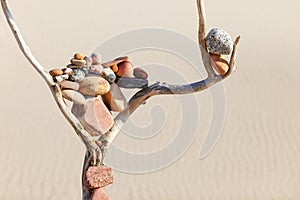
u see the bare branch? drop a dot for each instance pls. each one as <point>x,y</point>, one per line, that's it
<point>232,58</point>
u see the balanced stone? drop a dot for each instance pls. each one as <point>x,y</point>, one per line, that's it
<point>78,62</point>
<point>113,64</point>
<point>78,56</point>
<point>115,100</point>
<point>97,116</point>
<point>56,72</point>
<point>69,85</point>
<point>125,69</point>
<point>77,75</point>
<point>108,74</point>
<point>219,42</point>
<point>140,73</point>
<point>94,86</point>
<point>219,63</point>
<point>73,96</point>
<point>98,177</point>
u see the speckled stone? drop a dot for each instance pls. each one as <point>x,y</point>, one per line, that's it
<point>94,86</point>
<point>108,74</point>
<point>99,177</point>
<point>77,75</point>
<point>219,42</point>
<point>73,96</point>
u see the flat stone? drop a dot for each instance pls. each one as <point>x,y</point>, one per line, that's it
<point>115,61</point>
<point>69,85</point>
<point>56,72</point>
<point>125,69</point>
<point>67,70</point>
<point>125,82</point>
<point>219,42</point>
<point>77,62</point>
<point>140,73</point>
<point>77,75</point>
<point>115,100</point>
<point>94,86</point>
<point>108,74</point>
<point>99,194</point>
<point>97,116</point>
<point>73,96</point>
<point>99,177</point>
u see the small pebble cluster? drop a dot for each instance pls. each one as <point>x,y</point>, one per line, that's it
<point>93,88</point>
<point>219,43</point>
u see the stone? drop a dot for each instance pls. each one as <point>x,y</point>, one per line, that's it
<point>77,62</point>
<point>73,96</point>
<point>78,110</point>
<point>69,85</point>
<point>125,82</point>
<point>94,86</point>
<point>140,73</point>
<point>115,100</point>
<point>96,59</point>
<point>125,69</point>
<point>78,56</point>
<point>115,62</point>
<point>95,69</point>
<point>58,79</point>
<point>67,70</point>
<point>108,74</point>
<point>97,116</point>
<point>98,177</point>
<point>219,42</point>
<point>56,72</point>
<point>88,61</point>
<point>219,63</point>
<point>77,75</point>
<point>99,194</point>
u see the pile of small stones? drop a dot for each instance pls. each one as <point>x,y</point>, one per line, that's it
<point>94,88</point>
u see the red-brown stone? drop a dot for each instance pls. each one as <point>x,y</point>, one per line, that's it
<point>98,177</point>
<point>99,194</point>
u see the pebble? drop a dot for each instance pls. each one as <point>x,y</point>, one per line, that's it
<point>60,78</point>
<point>56,72</point>
<point>78,63</point>
<point>88,61</point>
<point>94,86</point>
<point>67,70</point>
<point>95,69</point>
<point>73,96</point>
<point>219,63</point>
<point>77,75</point>
<point>114,99</point>
<point>125,69</point>
<point>69,85</point>
<point>108,74</point>
<point>140,73</point>
<point>96,59</point>
<point>97,116</point>
<point>77,110</point>
<point>99,194</point>
<point>78,56</point>
<point>219,42</point>
<point>99,177</point>
<point>115,62</point>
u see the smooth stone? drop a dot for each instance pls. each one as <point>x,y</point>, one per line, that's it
<point>69,85</point>
<point>78,62</point>
<point>219,63</point>
<point>96,59</point>
<point>125,82</point>
<point>78,56</point>
<point>108,74</point>
<point>77,75</point>
<point>78,110</point>
<point>94,86</point>
<point>73,96</point>
<point>98,177</point>
<point>58,79</point>
<point>67,70</point>
<point>99,194</point>
<point>97,116</point>
<point>95,69</point>
<point>56,72</point>
<point>219,42</point>
<point>115,62</point>
<point>140,73</point>
<point>125,69</point>
<point>115,100</point>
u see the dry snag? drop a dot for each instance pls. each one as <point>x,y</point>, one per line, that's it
<point>87,83</point>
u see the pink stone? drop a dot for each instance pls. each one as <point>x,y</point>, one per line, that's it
<point>99,194</point>
<point>97,115</point>
<point>98,177</point>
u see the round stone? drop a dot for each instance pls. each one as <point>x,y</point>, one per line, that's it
<point>125,69</point>
<point>140,73</point>
<point>78,56</point>
<point>219,42</point>
<point>77,75</point>
<point>94,86</point>
<point>56,72</point>
<point>73,96</point>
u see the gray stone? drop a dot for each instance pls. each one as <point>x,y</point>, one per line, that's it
<point>77,75</point>
<point>219,42</point>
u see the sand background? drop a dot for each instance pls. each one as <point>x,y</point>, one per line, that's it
<point>258,155</point>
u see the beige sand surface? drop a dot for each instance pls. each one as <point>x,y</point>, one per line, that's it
<point>258,155</point>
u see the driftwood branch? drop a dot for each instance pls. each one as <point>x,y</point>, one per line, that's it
<point>93,147</point>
